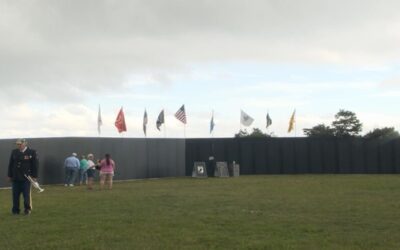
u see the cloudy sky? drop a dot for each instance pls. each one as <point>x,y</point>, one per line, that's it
<point>59,60</point>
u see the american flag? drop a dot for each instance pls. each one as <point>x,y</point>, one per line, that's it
<point>181,115</point>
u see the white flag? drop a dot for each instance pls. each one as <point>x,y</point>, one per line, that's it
<point>245,119</point>
<point>99,121</point>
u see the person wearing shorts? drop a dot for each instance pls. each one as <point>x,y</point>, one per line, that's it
<point>107,168</point>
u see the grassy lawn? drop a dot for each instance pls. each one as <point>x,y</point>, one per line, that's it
<point>249,212</point>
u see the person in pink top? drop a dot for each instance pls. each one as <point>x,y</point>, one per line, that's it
<point>107,168</point>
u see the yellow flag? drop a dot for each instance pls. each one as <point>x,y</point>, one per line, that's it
<point>291,122</point>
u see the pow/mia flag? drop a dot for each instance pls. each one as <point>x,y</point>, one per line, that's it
<point>269,121</point>
<point>245,119</point>
<point>199,169</point>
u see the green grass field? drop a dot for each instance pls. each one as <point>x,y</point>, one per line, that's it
<point>249,212</point>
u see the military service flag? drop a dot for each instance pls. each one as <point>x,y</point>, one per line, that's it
<point>120,121</point>
<point>160,119</point>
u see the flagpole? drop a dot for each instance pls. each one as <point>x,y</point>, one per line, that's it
<point>99,122</point>
<point>266,127</point>
<point>184,131</point>
<point>145,121</point>
<point>212,131</point>
<point>240,122</point>
<point>147,157</point>
<point>295,126</point>
<point>165,124</point>
<point>145,133</point>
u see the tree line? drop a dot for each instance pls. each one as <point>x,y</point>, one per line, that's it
<point>345,124</point>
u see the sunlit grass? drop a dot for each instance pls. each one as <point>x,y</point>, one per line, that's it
<point>249,212</point>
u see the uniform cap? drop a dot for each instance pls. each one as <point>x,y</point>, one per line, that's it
<point>20,141</point>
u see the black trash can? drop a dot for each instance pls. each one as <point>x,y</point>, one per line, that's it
<point>211,166</point>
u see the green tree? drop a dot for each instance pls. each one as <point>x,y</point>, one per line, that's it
<point>319,130</point>
<point>346,124</point>
<point>256,133</point>
<point>242,133</point>
<point>382,133</point>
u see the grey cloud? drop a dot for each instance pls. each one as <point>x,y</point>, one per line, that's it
<point>95,45</point>
<point>156,18</point>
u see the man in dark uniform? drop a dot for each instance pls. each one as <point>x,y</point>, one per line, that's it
<point>23,162</point>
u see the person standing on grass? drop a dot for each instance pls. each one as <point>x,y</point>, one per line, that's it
<point>71,165</point>
<point>82,170</point>
<point>23,162</point>
<point>107,168</point>
<point>90,171</point>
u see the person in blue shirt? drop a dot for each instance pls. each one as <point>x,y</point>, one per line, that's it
<point>71,165</point>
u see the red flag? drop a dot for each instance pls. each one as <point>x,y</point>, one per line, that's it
<point>120,121</point>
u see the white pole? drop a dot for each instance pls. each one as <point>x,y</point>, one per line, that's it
<point>165,124</point>
<point>240,121</point>
<point>295,125</point>
<point>212,118</point>
<point>266,122</point>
